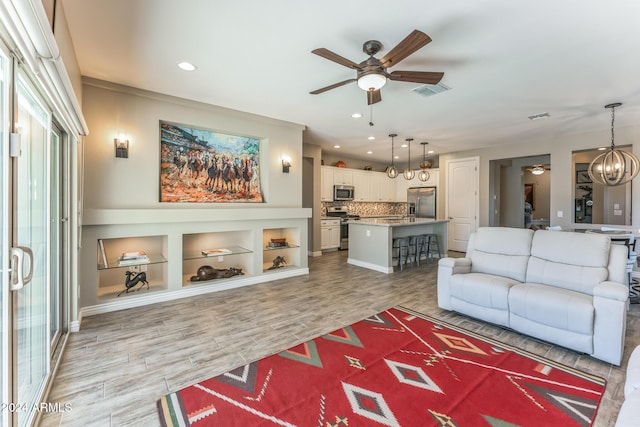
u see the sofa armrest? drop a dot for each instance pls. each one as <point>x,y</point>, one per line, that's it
<point>610,301</point>
<point>611,290</point>
<point>458,265</point>
<point>447,267</point>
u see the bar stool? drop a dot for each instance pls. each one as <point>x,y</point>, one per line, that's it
<point>401,245</point>
<point>418,246</point>
<point>433,246</point>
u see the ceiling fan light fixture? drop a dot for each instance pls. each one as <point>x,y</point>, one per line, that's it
<point>614,166</point>
<point>537,170</point>
<point>373,80</point>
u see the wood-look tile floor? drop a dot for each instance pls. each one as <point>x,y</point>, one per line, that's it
<point>120,363</point>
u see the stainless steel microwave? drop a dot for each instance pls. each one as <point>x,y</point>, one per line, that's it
<point>343,192</point>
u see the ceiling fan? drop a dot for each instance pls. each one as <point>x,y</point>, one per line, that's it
<point>372,73</point>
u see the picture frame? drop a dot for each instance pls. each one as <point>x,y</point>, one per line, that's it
<point>199,165</point>
<point>529,195</point>
<point>582,177</point>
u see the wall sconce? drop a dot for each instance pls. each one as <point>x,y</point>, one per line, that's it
<point>286,164</point>
<point>121,144</point>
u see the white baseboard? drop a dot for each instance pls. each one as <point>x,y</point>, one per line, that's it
<point>316,253</point>
<point>375,267</point>
<point>156,297</point>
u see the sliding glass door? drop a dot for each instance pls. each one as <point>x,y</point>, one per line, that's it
<point>5,297</point>
<point>31,236</point>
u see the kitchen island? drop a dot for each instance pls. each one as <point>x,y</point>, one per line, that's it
<point>370,240</point>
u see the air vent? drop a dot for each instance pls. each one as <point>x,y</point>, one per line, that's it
<point>538,116</point>
<point>429,90</point>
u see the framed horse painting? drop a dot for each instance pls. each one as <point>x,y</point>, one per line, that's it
<point>203,166</point>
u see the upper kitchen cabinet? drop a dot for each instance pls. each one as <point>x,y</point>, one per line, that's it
<point>382,188</point>
<point>342,176</point>
<point>327,184</point>
<point>362,185</point>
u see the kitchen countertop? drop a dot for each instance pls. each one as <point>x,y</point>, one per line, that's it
<point>397,222</point>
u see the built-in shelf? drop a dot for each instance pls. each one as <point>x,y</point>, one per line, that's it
<point>112,277</point>
<point>153,259</point>
<point>175,253</point>
<point>233,250</point>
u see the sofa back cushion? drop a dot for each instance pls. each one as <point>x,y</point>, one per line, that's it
<point>574,261</point>
<point>500,250</point>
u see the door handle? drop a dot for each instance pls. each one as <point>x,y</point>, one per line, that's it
<point>17,279</point>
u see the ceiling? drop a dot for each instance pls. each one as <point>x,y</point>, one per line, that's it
<point>503,60</point>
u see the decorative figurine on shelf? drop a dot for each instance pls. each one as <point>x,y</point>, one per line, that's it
<point>132,280</point>
<point>278,262</point>
<point>206,272</point>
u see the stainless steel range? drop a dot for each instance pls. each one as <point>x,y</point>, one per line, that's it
<point>342,213</point>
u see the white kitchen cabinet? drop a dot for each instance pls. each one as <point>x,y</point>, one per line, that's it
<point>342,176</point>
<point>329,234</point>
<point>382,188</point>
<point>362,185</point>
<point>327,184</point>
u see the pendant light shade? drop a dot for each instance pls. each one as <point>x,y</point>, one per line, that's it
<point>392,172</point>
<point>408,172</point>
<point>614,166</point>
<point>423,175</point>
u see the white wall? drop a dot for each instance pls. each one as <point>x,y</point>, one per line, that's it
<point>115,183</point>
<point>560,148</point>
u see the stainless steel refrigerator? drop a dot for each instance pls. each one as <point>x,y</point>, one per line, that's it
<point>422,202</point>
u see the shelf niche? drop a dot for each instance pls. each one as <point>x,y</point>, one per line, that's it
<point>240,255</point>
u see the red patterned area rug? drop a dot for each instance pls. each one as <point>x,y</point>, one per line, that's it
<point>397,368</point>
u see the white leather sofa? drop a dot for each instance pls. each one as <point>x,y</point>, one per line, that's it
<point>629,415</point>
<point>562,287</point>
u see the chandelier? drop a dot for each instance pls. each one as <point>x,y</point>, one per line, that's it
<point>423,175</point>
<point>392,172</point>
<point>408,172</point>
<point>614,166</point>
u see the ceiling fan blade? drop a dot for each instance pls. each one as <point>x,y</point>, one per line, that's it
<point>327,54</point>
<point>425,77</point>
<point>406,47</point>
<point>333,86</point>
<point>373,96</point>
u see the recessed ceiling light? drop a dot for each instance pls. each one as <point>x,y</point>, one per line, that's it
<point>601,149</point>
<point>430,152</point>
<point>396,157</point>
<point>369,152</point>
<point>356,115</point>
<point>371,138</point>
<point>336,146</point>
<point>403,146</point>
<point>186,66</point>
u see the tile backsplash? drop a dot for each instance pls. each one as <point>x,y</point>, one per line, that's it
<point>369,208</point>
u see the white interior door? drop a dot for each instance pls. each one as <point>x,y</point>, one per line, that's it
<point>462,207</point>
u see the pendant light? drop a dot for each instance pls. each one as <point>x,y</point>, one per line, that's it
<point>408,172</point>
<point>423,175</point>
<point>392,172</point>
<point>614,166</point>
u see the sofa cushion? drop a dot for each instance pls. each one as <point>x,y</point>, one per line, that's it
<point>554,307</point>
<point>500,251</point>
<point>573,261</point>
<point>482,289</point>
